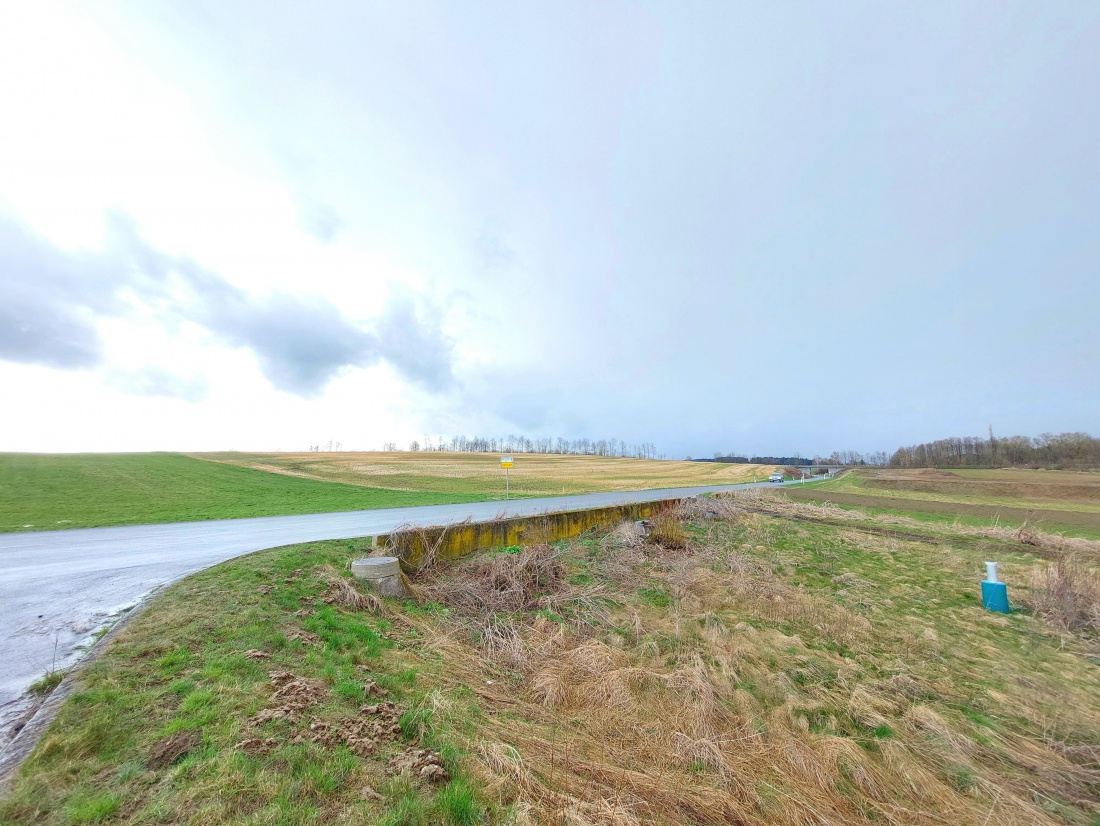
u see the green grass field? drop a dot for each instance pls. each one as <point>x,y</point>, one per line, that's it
<point>773,668</point>
<point>47,492</point>
<point>44,492</point>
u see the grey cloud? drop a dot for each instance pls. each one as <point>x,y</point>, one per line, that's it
<point>416,348</point>
<point>320,220</point>
<point>32,332</point>
<point>154,381</point>
<point>493,250</point>
<point>50,300</point>
<point>300,343</point>
<point>45,299</point>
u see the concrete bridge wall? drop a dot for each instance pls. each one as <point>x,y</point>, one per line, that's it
<point>413,546</point>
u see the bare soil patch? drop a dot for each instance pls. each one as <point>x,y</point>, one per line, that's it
<point>167,751</point>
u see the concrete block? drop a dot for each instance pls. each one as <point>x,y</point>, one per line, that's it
<point>382,574</point>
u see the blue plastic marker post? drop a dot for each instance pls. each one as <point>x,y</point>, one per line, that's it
<point>994,593</point>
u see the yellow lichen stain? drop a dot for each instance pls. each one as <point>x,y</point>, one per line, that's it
<point>454,541</point>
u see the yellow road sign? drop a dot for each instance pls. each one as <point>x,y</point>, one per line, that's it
<point>506,462</point>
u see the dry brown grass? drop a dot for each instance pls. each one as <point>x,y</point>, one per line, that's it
<point>1067,592</point>
<point>1059,497</point>
<point>342,591</point>
<point>666,530</point>
<point>719,688</point>
<point>768,501</point>
<point>780,669</point>
<point>533,474</point>
<point>499,583</point>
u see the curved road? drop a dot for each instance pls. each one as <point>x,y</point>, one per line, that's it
<point>57,588</point>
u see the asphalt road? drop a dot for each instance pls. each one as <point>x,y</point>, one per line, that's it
<point>57,588</point>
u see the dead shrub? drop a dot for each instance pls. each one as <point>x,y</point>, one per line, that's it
<point>1066,593</point>
<point>501,583</point>
<point>406,539</point>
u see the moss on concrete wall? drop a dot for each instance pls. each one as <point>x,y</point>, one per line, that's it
<point>412,546</point>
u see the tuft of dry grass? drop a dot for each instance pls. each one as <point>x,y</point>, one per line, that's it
<point>1066,592</point>
<point>666,530</point>
<point>407,538</point>
<point>342,591</point>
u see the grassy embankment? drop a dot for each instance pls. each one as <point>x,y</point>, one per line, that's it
<point>43,492</point>
<point>40,492</point>
<point>770,663</point>
<point>1062,501</point>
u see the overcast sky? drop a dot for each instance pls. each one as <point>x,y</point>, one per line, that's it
<point>753,227</point>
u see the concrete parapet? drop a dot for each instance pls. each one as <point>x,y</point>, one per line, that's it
<point>413,545</point>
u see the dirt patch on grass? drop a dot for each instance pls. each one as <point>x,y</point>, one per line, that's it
<point>171,749</point>
<point>294,696</point>
<point>1048,517</point>
<point>363,735</point>
<point>423,763</point>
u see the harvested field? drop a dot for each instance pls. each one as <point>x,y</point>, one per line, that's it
<point>776,662</point>
<point>1061,490</point>
<point>1003,484</point>
<point>1047,518</point>
<point>480,473</point>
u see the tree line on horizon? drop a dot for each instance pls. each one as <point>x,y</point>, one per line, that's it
<point>793,461</point>
<point>1072,451</point>
<point>845,458</point>
<point>611,447</point>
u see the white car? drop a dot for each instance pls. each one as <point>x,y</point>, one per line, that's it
<point>776,477</point>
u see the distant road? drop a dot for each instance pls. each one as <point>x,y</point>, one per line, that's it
<point>58,587</point>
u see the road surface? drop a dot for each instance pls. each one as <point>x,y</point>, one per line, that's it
<point>57,588</point>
